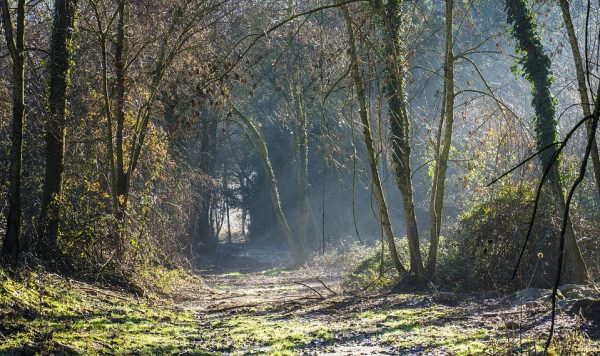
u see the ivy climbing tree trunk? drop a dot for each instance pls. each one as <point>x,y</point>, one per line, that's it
<point>16,48</point>
<point>441,164</point>
<point>392,55</point>
<point>536,67</point>
<point>582,86</point>
<point>59,58</point>
<point>369,143</point>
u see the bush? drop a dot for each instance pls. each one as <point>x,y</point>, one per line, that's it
<point>485,245</point>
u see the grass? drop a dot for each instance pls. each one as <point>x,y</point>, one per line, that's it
<point>43,313</point>
<point>47,314</point>
<point>423,328</point>
<point>260,334</point>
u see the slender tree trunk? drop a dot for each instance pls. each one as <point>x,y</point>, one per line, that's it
<point>205,236</point>
<point>226,196</point>
<point>303,211</point>
<point>58,70</point>
<point>582,86</point>
<point>302,216</point>
<point>368,137</point>
<point>120,96</point>
<point>16,47</point>
<point>536,65</point>
<point>441,164</point>
<point>296,246</point>
<point>399,125</point>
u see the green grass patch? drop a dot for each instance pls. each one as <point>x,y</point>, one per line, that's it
<point>43,313</point>
<point>262,334</point>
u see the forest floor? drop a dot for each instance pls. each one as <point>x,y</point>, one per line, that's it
<point>244,305</point>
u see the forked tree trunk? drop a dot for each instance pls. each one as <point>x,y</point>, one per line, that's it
<point>58,70</point>
<point>368,137</point>
<point>441,163</point>
<point>16,46</point>
<point>582,86</point>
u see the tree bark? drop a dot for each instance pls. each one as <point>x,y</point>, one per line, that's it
<point>302,201</point>
<point>58,82</point>
<point>368,137</point>
<point>205,236</point>
<point>536,65</point>
<point>441,164</point>
<point>120,96</point>
<point>16,47</point>
<point>582,86</point>
<point>399,125</point>
<point>296,246</point>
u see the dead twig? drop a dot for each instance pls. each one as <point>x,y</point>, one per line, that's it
<point>311,288</point>
<point>325,286</point>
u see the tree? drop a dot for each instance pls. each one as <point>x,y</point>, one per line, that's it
<point>59,58</point>
<point>441,157</point>
<point>16,48</point>
<point>204,235</point>
<point>369,143</point>
<point>390,16</point>
<point>581,84</point>
<point>536,69</point>
<point>296,245</point>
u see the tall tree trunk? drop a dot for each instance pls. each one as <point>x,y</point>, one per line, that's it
<point>302,201</point>
<point>117,167</point>
<point>582,86</point>
<point>205,236</point>
<point>536,65</point>
<point>16,47</point>
<point>58,68</point>
<point>368,137</point>
<point>120,96</point>
<point>226,198</point>
<point>399,125</point>
<point>301,138</point>
<point>296,245</point>
<point>441,164</point>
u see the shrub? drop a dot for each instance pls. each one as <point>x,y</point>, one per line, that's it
<point>486,243</point>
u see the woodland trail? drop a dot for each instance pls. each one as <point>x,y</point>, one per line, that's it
<point>257,308</point>
<point>246,302</point>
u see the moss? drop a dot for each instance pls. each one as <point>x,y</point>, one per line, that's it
<point>248,333</point>
<point>233,274</point>
<point>423,328</point>
<point>45,313</point>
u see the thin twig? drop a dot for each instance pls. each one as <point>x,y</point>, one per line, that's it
<point>311,288</point>
<point>324,285</point>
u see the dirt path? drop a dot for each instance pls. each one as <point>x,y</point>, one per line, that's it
<point>260,307</point>
<point>246,302</point>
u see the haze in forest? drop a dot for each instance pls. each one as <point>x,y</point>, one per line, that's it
<point>299,177</point>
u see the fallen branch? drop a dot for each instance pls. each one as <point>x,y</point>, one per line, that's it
<point>325,286</point>
<point>232,307</point>
<point>90,288</point>
<point>311,288</point>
